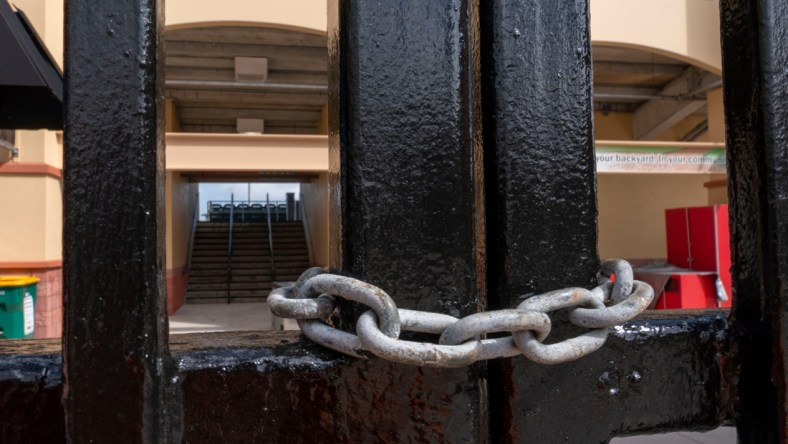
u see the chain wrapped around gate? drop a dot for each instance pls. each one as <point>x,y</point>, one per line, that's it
<point>462,341</point>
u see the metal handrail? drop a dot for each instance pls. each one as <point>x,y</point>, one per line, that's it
<point>13,150</point>
<point>230,250</point>
<point>270,240</point>
<point>307,231</point>
<point>192,234</point>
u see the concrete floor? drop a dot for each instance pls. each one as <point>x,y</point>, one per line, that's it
<point>722,435</point>
<point>193,318</point>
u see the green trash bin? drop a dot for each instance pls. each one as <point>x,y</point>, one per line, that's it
<point>17,306</point>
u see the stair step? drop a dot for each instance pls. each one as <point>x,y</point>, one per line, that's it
<point>297,234</point>
<point>244,264</point>
<point>250,242</point>
<point>239,270</point>
<point>207,286</point>
<point>251,264</point>
<point>223,293</point>
<point>223,300</point>
<point>297,263</point>
<point>244,273</point>
<point>236,278</point>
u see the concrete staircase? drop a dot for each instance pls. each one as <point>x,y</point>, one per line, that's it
<point>250,279</point>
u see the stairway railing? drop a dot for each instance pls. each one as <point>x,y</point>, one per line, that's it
<point>192,234</point>
<point>307,231</point>
<point>270,240</point>
<point>230,249</point>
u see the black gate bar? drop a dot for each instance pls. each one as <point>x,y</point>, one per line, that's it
<point>755,57</point>
<point>116,361</point>
<point>664,371</point>
<point>404,126</point>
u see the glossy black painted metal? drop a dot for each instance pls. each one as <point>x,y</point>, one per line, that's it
<point>406,136</point>
<point>539,159</point>
<point>30,410</point>
<point>404,152</point>
<point>116,361</point>
<point>755,54</point>
<point>653,375</point>
<point>31,85</point>
<point>278,387</point>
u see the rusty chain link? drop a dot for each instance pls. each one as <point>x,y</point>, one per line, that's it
<point>462,341</point>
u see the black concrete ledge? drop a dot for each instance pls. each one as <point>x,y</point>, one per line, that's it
<point>654,374</point>
<point>666,371</point>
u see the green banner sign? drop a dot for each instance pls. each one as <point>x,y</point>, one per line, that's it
<point>623,159</point>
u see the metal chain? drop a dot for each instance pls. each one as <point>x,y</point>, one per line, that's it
<point>462,341</point>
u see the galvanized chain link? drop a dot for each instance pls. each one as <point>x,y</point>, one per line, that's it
<point>462,341</point>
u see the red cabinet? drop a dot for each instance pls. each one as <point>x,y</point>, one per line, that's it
<point>698,241</point>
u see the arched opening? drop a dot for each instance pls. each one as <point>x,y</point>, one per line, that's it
<point>659,129</point>
<point>246,109</point>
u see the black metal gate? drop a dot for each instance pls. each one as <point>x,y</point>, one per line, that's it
<point>479,112</point>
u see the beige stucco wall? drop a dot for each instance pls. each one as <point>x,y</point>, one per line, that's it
<point>181,198</point>
<point>246,152</point>
<point>297,14</point>
<point>685,29</point>
<point>30,226</point>
<point>315,202</point>
<point>632,211</point>
<point>53,214</point>
<point>39,147</point>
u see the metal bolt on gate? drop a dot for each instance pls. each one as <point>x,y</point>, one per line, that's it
<point>462,341</point>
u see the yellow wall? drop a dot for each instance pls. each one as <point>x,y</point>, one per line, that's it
<point>685,29</point>
<point>716,116</point>
<point>172,118</point>
<point>304,14</point>
<point>676,132</point>
<point>612,126</point>
<point>315,202</point>
<point>180,201</point>
<point>718,195</point>
<point>632,211</point>
<point>618,126</point>
<point>718,189</point>
<point>322,127</point>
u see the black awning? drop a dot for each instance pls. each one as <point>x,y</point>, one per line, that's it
<point>31,85</point>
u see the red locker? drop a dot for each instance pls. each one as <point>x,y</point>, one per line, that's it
<point>699,239</point>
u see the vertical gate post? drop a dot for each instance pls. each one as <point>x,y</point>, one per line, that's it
<point>405,157</point>
<point>402,144</point>
<point>116,359</point>
<point>541,186</point>
<point>754,43</point>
